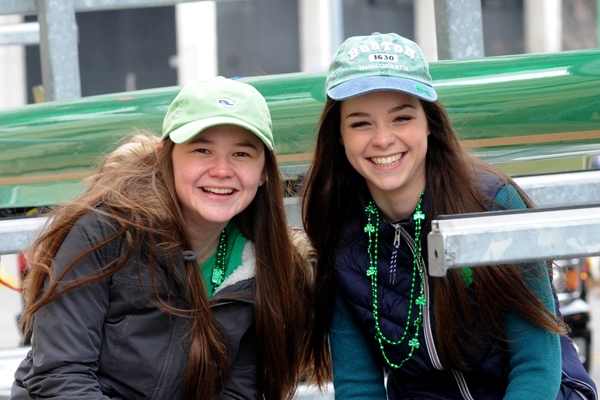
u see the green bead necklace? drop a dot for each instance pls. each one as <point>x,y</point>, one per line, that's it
<point>218,272</point>
<point>372,231</point>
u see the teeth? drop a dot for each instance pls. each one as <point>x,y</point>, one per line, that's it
<point>218,190</point>
<point>386,161</point>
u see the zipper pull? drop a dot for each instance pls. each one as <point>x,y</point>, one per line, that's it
<point>397,235</point>
<point>397,228</point>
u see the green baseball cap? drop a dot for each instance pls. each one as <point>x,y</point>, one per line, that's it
<point>202,104</point>
<point>381,61</point>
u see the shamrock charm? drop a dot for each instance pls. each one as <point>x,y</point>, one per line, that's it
<point>217,277</point>
<point>418,215</point>
<point>421,301</point>
<point>369,228</point>
<point>414,343</point>
<point>371,208</point>
<point>372,271</point>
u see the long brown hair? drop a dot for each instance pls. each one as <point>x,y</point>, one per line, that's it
<point>136,186</point>
<point>333,185</point>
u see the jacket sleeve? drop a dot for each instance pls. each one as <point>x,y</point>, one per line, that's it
<point>356,373</point>
<point>67,333</point>
<point>535,353</point>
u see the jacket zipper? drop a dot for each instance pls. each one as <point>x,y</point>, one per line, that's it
<point>398,229</point>
<point>462,385</point>
<point>429,343</point>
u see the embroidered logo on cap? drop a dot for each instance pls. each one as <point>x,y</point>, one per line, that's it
<point>421,89</point>
<point>228,103</point>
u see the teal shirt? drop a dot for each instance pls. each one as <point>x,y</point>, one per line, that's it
<point>536,361</point>
<point>535,353</point>
<point>235,242</point>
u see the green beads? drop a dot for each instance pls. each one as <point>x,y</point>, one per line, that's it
<point>218,273</point>
<point>372,230</point>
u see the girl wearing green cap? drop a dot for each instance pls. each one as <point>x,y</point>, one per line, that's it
<point>387,163</point>
<point>172,276</point>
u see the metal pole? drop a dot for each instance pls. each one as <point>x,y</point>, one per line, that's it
<point>20,34</point>
<point>337,25</point>
<point>459,29</point>
<point>58,49</point>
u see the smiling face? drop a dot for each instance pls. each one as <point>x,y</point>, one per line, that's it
<point>385,138</point>
<point>217,174</point>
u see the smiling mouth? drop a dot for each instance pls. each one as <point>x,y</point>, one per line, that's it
<point>219,191</point>
<point>387,161</point>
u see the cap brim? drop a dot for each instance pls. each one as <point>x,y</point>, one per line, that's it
<point>369,84</point>
<point>189,131</point>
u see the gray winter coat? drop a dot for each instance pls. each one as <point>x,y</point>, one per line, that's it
<point>108,340</point>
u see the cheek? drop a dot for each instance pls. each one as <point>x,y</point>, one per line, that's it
<point>350,143</point>
<point>354,148</point>
<point>181,178</point>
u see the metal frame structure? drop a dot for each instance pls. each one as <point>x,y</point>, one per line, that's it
<point>56,32</point>
<point>510,237</point>
<point>459,33</point>
<point>24,34</point>
<point>566,225</point>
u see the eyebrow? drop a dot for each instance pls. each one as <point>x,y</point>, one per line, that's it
<point>401,107</point>
<point>360,114</point>
<point>238,144</point>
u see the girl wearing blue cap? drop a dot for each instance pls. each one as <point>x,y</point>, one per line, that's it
<point>387,163</point>
<point>172,276</point>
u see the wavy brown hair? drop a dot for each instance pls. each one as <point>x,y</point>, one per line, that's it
<point>332,187</point>
<point>134,186</point>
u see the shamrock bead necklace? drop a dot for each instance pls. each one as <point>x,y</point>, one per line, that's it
<point>218,272</point>
<point>372,232</point>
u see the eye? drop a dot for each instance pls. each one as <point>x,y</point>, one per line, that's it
<point>201,151</point>
<point>358,124</point>
<point>241,154</point>
<point>402,118</point>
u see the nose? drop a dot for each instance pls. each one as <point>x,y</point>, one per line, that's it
<point>221,168</point>
<point>382,137</point>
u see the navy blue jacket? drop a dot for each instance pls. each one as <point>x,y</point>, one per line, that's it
<point>423,376</point>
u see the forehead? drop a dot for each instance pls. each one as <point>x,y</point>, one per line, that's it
<point>379,99</point>
<point>227,133</point>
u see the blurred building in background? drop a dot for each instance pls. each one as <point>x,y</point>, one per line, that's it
<point>122,50</point>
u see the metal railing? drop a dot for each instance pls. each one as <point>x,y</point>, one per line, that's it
<point>574,189</point>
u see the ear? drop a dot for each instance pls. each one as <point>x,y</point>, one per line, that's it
<point>158,148</point>
<point>341,140</point>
